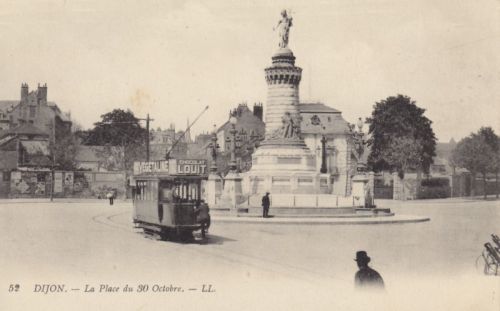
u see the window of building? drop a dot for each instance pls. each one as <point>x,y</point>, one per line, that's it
<point>32,111</point>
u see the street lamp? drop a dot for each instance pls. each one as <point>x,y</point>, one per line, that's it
<point>232,163</point>
<point>323,169</point>
<point>360,124</point>
<point>214,146</point>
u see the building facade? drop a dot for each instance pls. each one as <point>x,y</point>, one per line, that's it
<point>320,121</point>
<point>162,141</point>
<point>33,108</point>
<point>250,131</point>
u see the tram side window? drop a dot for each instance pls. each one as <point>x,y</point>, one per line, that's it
<point>166,191</point>
<point>152,190</point>
<point>141,190</point>
<point>187,191</point>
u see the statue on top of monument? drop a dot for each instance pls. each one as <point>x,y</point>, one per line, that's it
<point>284,29</point>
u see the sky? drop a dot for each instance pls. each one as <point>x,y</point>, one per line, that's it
<point>172,58</point>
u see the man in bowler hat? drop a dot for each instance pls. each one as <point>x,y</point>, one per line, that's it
<point>366,277</point>
<point>265,205</point>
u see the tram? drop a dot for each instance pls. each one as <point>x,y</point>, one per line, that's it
<point>167,198</point>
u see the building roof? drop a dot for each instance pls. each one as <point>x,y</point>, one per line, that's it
<point>316,108</point>
<point>64,117</point>
<point>36,147</point>
<point>329,124</point>
<point>8,104</point>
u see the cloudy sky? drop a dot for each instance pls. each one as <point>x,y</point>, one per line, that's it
<point>172,58</point>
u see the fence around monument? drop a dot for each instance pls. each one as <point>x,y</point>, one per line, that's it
<point>305,201</point>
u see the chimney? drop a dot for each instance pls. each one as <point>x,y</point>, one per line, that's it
<point>258,111</point>
<point>24,91</point>
<point>42,93</point>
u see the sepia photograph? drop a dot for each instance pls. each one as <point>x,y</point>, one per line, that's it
<point>250,155</point>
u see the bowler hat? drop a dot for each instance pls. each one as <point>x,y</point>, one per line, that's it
<point>362,257</point>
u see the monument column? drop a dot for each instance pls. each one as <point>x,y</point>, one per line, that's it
<point>283,159</point>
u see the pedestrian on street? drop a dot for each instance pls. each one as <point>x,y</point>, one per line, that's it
<point>366,277</point>
<point>265,205</point>
<point>202,213</point>
<point>110,195</point>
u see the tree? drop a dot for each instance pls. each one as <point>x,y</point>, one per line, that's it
<point>476,155</point>
<point>401,137</point>
<point>404,153</point>
<point>490,138</point>
<point>120,128</point>
<point>64,150</point>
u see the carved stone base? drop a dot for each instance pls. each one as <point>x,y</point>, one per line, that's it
<point>282,168</point>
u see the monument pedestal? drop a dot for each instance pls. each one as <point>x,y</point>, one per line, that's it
<point>283,168</point>
<point>213,189</point>
<point>232,194</point>
<point>361,190</point>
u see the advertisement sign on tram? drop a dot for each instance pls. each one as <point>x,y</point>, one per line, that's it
<point>172,166</point>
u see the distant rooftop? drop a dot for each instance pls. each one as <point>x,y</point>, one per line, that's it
<point>8,104</point>
<point>317,107</point>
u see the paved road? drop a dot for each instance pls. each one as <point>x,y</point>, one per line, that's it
<point>249,265</point>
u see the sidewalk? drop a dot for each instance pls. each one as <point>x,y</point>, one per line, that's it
<point>382,203</point>
<point>60,200</point>
<point>398,219</point>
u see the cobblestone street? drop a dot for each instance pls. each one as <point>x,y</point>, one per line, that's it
<point>86,244</point>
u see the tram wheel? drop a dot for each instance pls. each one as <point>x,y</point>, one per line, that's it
<point>165,234</point>
<point>186,236</point>
<point>153,235</point>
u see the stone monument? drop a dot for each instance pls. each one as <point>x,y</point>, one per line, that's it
<point>283,163</point>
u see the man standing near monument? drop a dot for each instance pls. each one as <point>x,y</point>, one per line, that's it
<point>265,205</point>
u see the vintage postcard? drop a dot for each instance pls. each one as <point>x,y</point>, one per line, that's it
<point>249,155</point>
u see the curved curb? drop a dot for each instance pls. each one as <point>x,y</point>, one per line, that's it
<point>323,221</point>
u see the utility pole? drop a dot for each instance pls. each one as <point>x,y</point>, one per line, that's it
<point>52,125</point>
<point>147,119</point>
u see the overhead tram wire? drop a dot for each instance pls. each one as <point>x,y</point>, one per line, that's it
<point>167,154</point>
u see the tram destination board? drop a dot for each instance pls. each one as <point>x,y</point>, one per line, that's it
<point>172,167</point>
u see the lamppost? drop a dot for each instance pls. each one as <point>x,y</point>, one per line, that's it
<point>323,169</point>
<point>360,143</point>
<point>213,151</point>
<point>232,132</point>
<point>232,193</point>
